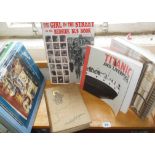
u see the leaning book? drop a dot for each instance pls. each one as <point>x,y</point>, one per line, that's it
<point>21,88</point>
<point>143,101</point>
<point>66,109</point>
<point>110,76</point>
<point>65,44</point>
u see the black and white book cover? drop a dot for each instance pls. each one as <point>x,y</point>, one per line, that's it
<point>110,76</point>
<point>65,44</point>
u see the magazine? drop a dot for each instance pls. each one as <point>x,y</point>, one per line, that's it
<point>110,76</point>
<point>21,88</point>
<point>65,44</point>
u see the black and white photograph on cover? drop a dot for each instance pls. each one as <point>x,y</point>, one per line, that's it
<point>58,59</point>
<point>57,52</point>
<point>76,51</point>
<point>63,52</point>
<point>65,66</point>
<point>56,46</point>
<point>48,39</point>
<point>49,46</point>
<point>53,72</point>
<point>52,66</point>
<point>62,38</point>
<point>66,72</point>
<point>63,45</point>
<point>51,60</point>
<point>50,52</point>
<point>58,66</point>
<point>60,79</point>
<point>54,79</point>
<point>66,79</point>
<point>55,38</point>
<point>59,72</point>
<point>64,59</point>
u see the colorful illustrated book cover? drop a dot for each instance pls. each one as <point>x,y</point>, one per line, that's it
<point>110,76</point>
<point>21,88</point>
<point>65,44</point>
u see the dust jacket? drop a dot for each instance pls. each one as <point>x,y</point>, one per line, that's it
<point>110,76</point>
<point>21,88</point>
<point>65,44</point>
<point>143,101</point>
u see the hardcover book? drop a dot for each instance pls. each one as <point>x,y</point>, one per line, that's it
<point>65,44</point>
<point>110,76</point>
<point>143,100</point>
<point>66,108</point>
<point>21,88</point>
<point>3,129</point>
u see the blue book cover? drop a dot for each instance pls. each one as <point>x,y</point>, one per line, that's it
<point>21,88</point>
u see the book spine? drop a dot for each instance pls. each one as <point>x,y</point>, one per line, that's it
<point>3,129</point>
<point>144,88</point>
<point>139,82</point>
<point>153,113</point>
<point>6,123</point>
<point>145,109</point>
<point>85,66</point>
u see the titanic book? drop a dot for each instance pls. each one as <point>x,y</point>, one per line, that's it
<point>110,76</point>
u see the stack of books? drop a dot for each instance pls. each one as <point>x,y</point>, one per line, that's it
<point>122,76</point>
<point>143,101</point>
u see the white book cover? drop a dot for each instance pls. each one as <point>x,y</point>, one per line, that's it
<point>131,50</point>
<point>147,78</point>
<point>65,44</point>
<point>110,76</point>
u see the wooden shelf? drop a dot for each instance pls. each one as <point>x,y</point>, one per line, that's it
<point>100,112</point>
<point>42,117</point>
